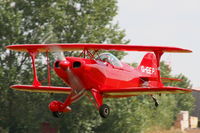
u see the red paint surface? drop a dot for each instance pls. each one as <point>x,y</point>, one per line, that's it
<point>101,78</point>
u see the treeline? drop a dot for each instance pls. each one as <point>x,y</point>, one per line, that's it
<point>71,21</point>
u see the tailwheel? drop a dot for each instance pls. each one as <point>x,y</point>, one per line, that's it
<point>155,101</point>
<point>58,114</point>
<point>156,104</point>
<point>104,111</point>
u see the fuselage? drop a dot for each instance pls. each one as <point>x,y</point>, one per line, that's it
<point>98,74</point>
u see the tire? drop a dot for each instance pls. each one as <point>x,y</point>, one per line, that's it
<point>58,114</point>
<point>104,111</point>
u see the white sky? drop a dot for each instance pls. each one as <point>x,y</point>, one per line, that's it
<point>165,23</point>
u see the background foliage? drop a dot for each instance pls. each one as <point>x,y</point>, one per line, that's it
<point>71,21</point>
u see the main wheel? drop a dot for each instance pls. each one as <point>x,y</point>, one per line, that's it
<point>104,111</point>
<point>58,114</point>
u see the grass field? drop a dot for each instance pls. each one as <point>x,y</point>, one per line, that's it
<point>172,130</point>
<point>159,130</point>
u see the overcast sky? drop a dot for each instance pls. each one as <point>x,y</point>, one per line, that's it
<point>165,23</point>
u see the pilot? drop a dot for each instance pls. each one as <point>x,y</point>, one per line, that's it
<point>105,59</point>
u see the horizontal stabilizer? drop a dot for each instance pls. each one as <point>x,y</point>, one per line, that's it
<point>82,46</point>
<point>170,80</point>
<point>126,92</point>
<point>47,89</point>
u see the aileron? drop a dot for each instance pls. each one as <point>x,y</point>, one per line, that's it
<point>47,89</point>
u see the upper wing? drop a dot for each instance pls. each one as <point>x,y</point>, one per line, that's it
<point>79,46</point>
<point>125,92</point>
<point>48,89</point>
<point>196,89</point>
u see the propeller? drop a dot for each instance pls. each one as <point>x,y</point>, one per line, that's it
<point>58,53</point>
<point>74,81</point>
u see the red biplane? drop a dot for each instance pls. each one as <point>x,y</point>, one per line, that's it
<point>102,76</point>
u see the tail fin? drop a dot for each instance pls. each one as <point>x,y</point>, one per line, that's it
<point>148,66</point>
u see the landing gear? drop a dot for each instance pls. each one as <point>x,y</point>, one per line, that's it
<point>155,101</point>
<point>58,114</point>
<point>56,107</point>
<point>104,111</point>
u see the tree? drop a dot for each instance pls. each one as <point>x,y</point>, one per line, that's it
<point>38,21</point>
<point>71,21</point>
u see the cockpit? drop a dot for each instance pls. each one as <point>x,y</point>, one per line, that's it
<point>110,58</point>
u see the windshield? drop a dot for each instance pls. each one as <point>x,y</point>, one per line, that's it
<point>110,58</point>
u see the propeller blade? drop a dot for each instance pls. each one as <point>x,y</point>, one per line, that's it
<point>59,54</point>
<point>74,81</point>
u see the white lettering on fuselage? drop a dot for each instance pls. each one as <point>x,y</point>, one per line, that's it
<point>147,70</point>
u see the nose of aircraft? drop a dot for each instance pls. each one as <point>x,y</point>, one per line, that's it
<point>64,64</point>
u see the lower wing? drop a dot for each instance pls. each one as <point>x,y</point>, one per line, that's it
<point>47,89</point>
<point>127,92</point>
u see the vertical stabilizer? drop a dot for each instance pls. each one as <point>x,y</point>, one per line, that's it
<point>148,66</point>
<point>149,71</point>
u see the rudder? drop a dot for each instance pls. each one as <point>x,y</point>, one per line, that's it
<point>148,66</point>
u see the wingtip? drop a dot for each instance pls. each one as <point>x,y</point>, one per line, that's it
<point>13,86</point>
<point>196,89</point>
<point>183,50</point>
<point>189,51</point>
<point>8,47</point>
